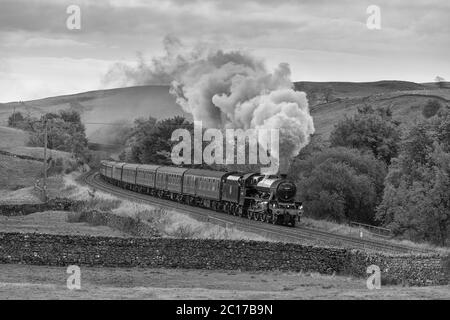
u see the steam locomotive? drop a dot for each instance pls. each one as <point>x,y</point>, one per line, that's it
<point>250,195</point>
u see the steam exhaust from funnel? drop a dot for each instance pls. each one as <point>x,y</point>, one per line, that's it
<point>232,90</point>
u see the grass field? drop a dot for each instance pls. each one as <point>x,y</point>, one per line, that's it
<point>11,138</point>
<point>37,282</point>
<point>17,173</point>
<point>15,141</point>
<point>54,222</point>
<point>20,196</point>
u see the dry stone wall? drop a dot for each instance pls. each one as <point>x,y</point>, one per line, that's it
<point>61,250</point>
<point>57,204</point>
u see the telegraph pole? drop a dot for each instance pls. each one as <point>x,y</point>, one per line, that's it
<point>44,186</point>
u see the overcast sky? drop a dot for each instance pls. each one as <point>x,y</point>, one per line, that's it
<point>321,40</point>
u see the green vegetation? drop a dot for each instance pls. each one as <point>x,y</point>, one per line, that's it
<point>431,108</point>
<point>149,140</point>
<point>372,172</point>
<point>15,119</point>
<point>370,129</point>
<point>340,184</point>
<point>17,173</point>
<point>416,202</point>
<point>65,133</point>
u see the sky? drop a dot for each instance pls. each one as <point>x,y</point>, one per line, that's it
<point>321,40</point>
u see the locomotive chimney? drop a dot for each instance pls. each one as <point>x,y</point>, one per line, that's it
<point>283,167</point>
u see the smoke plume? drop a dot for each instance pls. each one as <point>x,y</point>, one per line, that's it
<point>231,90</point>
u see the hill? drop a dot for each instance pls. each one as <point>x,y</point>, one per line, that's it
<point>10,138</point>
<point>358,89</point>
<point>16,172</point>
<point>123,105</point>
<point>103,106</point>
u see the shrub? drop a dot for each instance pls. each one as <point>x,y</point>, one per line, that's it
<point>369,129</point>
<point>58,166</point>
<point>74,217</point>
<point>341,184</point>
<point>416,204</point>
<point>431,108</point>
<point>184,232</point>
<point>15,119</point>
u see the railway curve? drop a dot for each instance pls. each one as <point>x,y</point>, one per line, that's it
<point>298,234</point>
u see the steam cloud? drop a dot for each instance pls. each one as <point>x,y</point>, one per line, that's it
<point>230,90</point>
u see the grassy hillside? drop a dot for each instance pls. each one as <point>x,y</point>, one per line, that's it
<point>123,105</point>
<point>17,173</point>
<point>102,106</point>
<point>10,138</point>
<point>358,89</point>
<point>406,106</point>
<point>15,141</point>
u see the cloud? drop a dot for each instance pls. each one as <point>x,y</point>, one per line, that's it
<point>414,33</point>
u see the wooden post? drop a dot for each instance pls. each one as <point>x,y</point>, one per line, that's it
<point>44,186</point>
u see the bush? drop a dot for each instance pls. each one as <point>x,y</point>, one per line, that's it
<point>58,166</point>
<point>74,217</point>
<point>97,204</point>
<point>341,184</point>
<point>15,120</point>
<point>431,109</point>
<point>416,202</point>
<point>371,130</point>
<point>96,218</point>
<point>184,232</point>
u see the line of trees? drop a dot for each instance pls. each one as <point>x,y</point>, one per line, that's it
<point>66,131</point>
<point>370,171</point>
<point>149,141</point>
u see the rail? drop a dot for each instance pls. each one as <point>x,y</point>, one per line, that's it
<point>297,234</point>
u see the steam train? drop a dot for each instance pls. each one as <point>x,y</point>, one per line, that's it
<point>250,195</point>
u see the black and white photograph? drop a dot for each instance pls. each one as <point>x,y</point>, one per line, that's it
<point>225,155</point>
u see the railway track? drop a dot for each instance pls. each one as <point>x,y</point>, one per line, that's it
<point>298,234</point>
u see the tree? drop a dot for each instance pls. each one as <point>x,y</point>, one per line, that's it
<point>65,132</point>
<point>416,201</point>
<point>431,108</point>
<point>441,124</point>
<point>15,119</point>
<point>341,184</point>
<point>370,129</point>
<point>150,140</point>
<point>420,209</point>
<point>440,82</point>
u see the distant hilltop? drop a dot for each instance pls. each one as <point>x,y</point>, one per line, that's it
<point>329,102</point>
